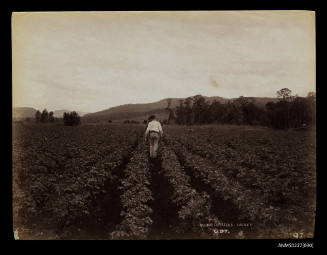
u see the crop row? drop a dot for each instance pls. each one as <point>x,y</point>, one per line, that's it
<point>259,159</point>
<point>279,167</point>
<point>135,197</point>
<point>62,171</point>
<point>252,207</point>
<point>270,221</point>
<point>194,207</point>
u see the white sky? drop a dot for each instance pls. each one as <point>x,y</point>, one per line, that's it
<point>90,61</point>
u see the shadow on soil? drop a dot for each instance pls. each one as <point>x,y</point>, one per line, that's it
<point>165,218</point>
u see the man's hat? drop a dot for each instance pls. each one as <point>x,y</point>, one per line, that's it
<point>152,117</point>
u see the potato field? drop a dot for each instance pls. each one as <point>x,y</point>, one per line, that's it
<point>208,182</point>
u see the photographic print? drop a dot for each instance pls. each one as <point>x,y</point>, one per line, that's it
<point>163,125</point>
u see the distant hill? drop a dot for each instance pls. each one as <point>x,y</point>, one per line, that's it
<point>140,112</point>
<point>60,113</point>
<point>132,109</point>
<point>23,112</point>
<point>29,112</point>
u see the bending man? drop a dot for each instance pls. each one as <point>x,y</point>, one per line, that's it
<point>154,130</point>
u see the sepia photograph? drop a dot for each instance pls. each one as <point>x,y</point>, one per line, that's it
<point>163,125</point>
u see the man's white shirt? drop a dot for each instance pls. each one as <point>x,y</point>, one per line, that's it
<point>154,125</point>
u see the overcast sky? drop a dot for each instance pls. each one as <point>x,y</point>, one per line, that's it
<point>90,61</point>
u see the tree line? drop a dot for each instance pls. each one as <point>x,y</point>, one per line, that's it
<point>44,117</point>
<point>288,112</point>
<point>69,118</point>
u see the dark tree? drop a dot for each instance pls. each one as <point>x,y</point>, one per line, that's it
<point>289,112</point>
<point>38,116</point>
<point>311,99</point>
<point>188,113</point>
<point>171,116</point>
<point>180,112</point>
<point>278,114</point>
<point>251,114</point>
<point>285,95</point>
<point>200,110</point>
<point>71,119</point>
<point>218,112</point>
<point>184,112</point>
<point>51,117</point>
<point>44,116</point>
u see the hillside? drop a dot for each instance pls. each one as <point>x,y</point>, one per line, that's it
<point>141,112</point>
<point>29,112</point>
<point>60,113</point>
<point>144,108</point>
<point>138,112</point>
<point>23,112</point>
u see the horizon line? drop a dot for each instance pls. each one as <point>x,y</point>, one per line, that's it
<point>88,112</point>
